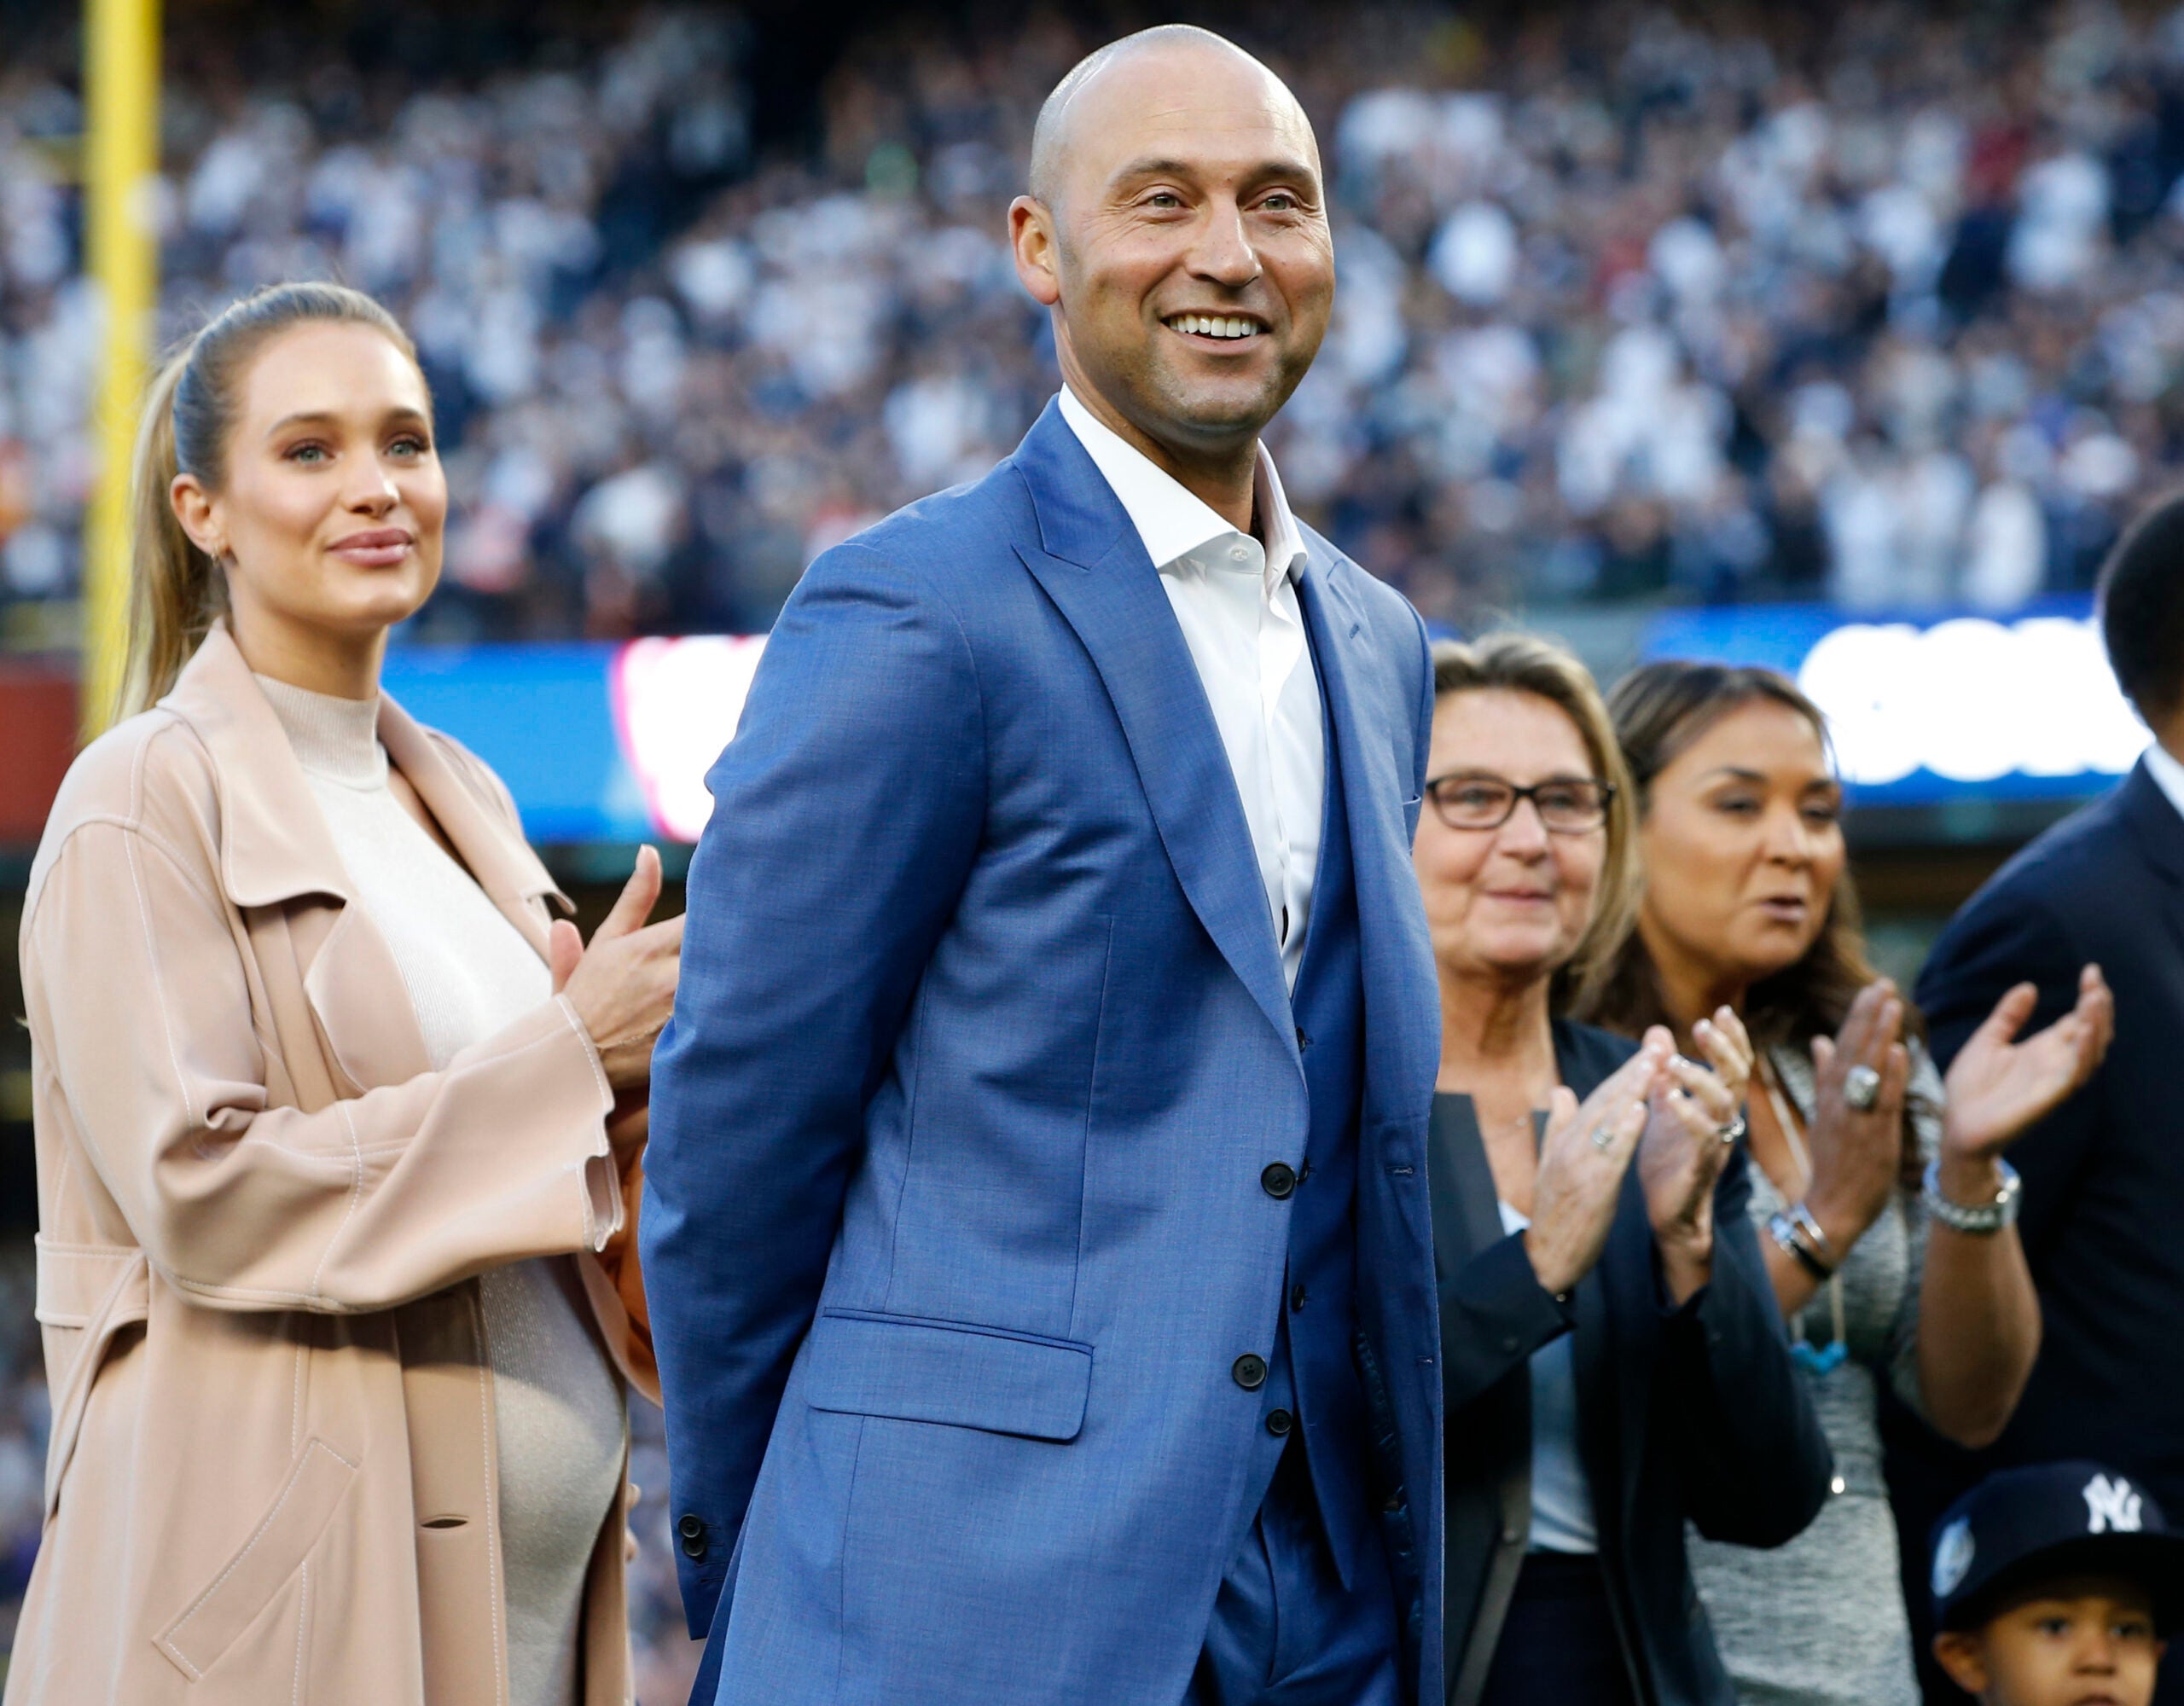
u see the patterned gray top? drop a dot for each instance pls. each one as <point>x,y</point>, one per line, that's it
<point>1821,1621</point>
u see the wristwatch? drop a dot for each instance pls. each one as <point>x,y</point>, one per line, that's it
<point>1987,1217</point>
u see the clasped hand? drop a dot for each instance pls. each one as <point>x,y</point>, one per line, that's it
<point>623,989</point>
<point>1669,1114</point>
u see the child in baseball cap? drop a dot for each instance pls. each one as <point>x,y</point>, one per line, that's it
<point>2056,1585</point>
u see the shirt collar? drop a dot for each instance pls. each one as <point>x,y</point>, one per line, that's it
<point>1171,520</point>
<point>2167,773</point>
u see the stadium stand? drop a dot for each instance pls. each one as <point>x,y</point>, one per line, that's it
<point>1873,306</point>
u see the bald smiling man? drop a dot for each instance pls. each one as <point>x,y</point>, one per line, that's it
<point>1036,1224</point>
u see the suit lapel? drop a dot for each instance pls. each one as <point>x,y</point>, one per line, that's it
<point>2157,831</point>
<point>1401,1007</point>
<point>1092,566</point>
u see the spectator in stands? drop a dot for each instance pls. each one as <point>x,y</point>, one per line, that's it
<point>1877,306</point>
<point>1613,1361</point>
<point>336,1136</point>
<point>1883,1202</point>
<point>2104,1174</point>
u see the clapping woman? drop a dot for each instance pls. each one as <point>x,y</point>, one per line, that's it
<point>1882,1201</point>
<point>337,1134</point>
<point>1613,1361</point>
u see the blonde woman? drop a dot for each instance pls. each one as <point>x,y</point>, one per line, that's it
<point>337,1135</point>
<point>1613,1361</point>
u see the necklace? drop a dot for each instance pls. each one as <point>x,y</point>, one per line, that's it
<point>1814,1359</point>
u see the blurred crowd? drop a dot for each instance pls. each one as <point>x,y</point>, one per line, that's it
<point>1859,303</point>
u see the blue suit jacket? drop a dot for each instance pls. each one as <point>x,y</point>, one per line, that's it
<point>952,1225</point>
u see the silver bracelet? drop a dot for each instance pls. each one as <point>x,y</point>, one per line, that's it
<point>1802,1218</point>
<point>1988,1218</point>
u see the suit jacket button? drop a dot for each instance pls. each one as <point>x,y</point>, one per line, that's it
<point>1279,1179</point>
<point>1249,1371</point>
<point>1279,1423</point>
<point>692,1528</point>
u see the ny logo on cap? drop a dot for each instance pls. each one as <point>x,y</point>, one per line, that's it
<point>1953,1557</point>
<point>2110,1504</point>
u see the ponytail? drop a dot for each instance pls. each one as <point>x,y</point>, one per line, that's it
<point>174,592</point>
<point>177,592</point>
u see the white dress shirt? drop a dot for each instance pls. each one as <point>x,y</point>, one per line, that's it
<point>1235,600</point>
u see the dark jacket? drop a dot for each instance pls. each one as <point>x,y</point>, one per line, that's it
<point>1693,1414</point>
<point>2103,1219</point>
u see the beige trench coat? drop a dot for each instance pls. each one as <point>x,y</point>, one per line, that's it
<point>271,1476</point>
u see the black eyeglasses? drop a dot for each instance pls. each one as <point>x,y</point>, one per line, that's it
<point>1566,806</point>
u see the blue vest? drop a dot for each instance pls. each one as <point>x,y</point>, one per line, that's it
<point>1313,1375</point>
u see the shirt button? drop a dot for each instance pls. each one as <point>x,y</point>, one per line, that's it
<point>1838,1484</point>
<point>1296,1299</point>
<point>1240,553</point>
<point>1279,1423</point>
<point>1249,1371</point>
<point>1279,1179</point>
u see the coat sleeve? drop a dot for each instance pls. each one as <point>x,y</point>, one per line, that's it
<point>1755,1463</point>
<point>2003,938</point>
<point>1495,1314</point>
<point>847,814</point>
<point>140,1009</point>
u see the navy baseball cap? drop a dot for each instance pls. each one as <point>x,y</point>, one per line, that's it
<point>2025,1526</point>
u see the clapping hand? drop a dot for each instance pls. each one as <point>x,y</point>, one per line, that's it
<point>1582,1161</point>
<point>1997,1086</point>
<point>1857,1140</point>
<point>1690,1133</point>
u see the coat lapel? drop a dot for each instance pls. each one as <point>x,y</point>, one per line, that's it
<point>276,851</point>
<point>1466,1214</point>
<point>1091,563</point>
<point>504,866</point>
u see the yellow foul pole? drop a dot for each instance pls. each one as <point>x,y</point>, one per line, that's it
<point>121,53</point>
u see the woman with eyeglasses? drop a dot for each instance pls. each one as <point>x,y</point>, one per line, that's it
<point>1613,1361</point>
<point>1880,1197</point>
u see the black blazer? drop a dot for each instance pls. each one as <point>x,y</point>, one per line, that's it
<point>1695,1412</point>
<point>2103,1216</point>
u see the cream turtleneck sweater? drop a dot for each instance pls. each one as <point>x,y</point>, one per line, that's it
<point>558,1405</point>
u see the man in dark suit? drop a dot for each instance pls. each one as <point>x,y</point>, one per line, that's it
<point>2103,1215</point>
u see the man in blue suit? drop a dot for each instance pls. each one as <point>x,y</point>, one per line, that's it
<point>1036,1227</point>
